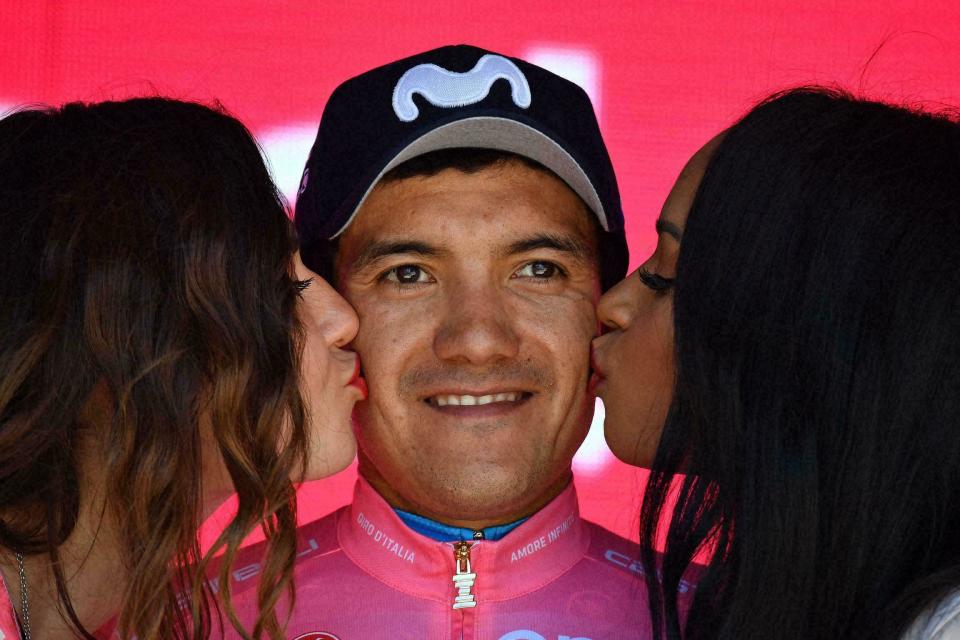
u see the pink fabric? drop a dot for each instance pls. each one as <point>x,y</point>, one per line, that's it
<point>362,574</point>
<point>9,628</point>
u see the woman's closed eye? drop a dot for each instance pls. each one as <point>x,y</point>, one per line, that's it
<point>301,285</point>
<point>654,281</point>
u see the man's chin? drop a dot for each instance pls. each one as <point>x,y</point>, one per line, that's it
<point>493,442</point>
<point>478,504</point>
<point>484,494</point>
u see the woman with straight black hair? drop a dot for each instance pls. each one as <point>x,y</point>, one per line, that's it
<point>162,346</point>
<point>792,348</point>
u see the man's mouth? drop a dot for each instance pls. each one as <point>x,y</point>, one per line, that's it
<point>468,400</point>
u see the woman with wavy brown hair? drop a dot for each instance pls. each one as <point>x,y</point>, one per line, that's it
<point>161,347</point>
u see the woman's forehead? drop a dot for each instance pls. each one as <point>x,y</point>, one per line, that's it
<point>678,202</point>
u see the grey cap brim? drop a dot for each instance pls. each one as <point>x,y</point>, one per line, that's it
<point>502,134</point>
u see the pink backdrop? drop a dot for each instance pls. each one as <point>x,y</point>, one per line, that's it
<point>665,76</point>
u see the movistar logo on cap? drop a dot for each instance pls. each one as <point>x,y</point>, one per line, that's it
<point>448,89</point>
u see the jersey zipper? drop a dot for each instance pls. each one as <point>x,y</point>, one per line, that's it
<point>464,578</point>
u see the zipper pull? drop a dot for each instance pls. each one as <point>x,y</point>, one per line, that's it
<point>464,578</point>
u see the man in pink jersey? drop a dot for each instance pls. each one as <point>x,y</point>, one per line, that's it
<point>465,204</point>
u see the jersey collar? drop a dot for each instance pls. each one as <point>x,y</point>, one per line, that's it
<point>537,551</point>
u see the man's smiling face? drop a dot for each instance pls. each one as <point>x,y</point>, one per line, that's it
<point>476,296</point>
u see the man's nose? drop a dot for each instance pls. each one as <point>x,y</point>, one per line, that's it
<point>477,327</point>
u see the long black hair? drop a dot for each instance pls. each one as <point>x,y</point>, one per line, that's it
<point>817,402</point>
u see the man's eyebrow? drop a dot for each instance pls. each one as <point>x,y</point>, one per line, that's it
<point>568,244</point>
<point>667,227</point>
<point>379,249</point>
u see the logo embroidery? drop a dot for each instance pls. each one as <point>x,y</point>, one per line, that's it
<point>448,89</point>
<point>527,634</point>
<point>317,635</point>
<point>635,566</point>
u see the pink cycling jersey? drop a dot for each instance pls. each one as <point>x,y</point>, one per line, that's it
<point>362,574</point>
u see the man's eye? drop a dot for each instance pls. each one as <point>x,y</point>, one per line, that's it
<point>538,269</point>
<point>406,274</point>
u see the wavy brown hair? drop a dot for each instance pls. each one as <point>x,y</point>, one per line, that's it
<point>147,252</point>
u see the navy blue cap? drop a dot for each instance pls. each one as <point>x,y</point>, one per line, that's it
<point>455,97</point>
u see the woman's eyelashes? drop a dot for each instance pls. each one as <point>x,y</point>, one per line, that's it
<point>301,285</point>
<point>654,281</point>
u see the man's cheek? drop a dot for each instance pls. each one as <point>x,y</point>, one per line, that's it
<point>574,333</point>
<point>382,331</point>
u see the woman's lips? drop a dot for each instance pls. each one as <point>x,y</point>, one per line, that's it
<point>595,384</point>
<point>358,381</point>
<point>596,376</point>
<point>360,384</point>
